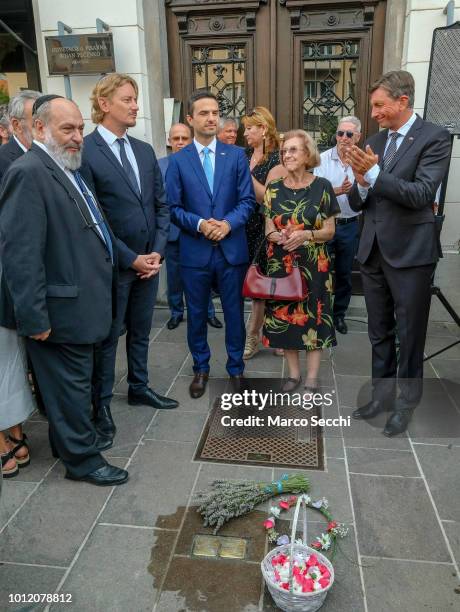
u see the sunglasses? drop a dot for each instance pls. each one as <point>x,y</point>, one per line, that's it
<point>341,134</point>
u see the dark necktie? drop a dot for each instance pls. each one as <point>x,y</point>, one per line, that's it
<point>391,150</point>
<point>127,167</point>
<point>96,213</point>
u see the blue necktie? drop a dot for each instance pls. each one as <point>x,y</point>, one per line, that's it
<point>207,167</point>
<point>96,213</point>
<point>127,166</point>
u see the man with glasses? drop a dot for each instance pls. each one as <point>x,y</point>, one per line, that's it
<point>345,242</point>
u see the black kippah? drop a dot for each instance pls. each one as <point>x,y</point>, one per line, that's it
<point>42,100</point>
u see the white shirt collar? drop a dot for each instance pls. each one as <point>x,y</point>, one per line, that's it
<point>211,146</point>
<point>406,127</point>
<point>109,136</point>
<point>19,143</point>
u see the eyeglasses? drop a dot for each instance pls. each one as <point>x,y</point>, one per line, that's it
<point>341,134</point>
<point>290,151</point>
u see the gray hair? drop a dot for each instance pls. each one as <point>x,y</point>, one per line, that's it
<point>223,122</point>
<point>17,104</point>
<point>4,119</point>
<point>396,83</point>
<point>351,119</point>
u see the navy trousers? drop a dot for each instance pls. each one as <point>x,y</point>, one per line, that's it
<point>135,304</point>
<point>197,287</point>
<point>344,246</point>
<point>175,287</point>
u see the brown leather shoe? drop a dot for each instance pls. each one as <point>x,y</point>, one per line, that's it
<point>198,384</point>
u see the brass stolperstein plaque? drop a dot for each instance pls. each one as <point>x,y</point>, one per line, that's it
<point>216,546</point>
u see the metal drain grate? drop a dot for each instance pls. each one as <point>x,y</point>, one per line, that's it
<point>268,445</point>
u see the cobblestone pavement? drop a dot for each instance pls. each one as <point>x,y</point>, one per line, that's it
<point>129,548</point>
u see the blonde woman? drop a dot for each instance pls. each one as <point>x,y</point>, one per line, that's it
<point>299,220</point>
<point>263,156</point>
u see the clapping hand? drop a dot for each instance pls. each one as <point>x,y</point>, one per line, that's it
<point>344,188</point>
<point>361,161</point>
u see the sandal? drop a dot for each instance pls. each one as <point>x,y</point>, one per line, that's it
<point>291,384</point>
<point>10,472</point>
<point>313,386</point>
<point>251,347</point>
<point>21,461</point>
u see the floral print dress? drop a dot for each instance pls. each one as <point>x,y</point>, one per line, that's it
<point>306,325</point>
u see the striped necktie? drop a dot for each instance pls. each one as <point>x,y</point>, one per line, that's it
<point>391,150</point>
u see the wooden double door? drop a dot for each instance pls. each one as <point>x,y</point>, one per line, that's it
<point>309,61</point>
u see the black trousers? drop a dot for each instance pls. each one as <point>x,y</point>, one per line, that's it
<point>135,304</point>
<point>64,373</point>
<point>397,299</point>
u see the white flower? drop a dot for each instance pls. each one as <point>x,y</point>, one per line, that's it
<point>317,586</point>
<point>275,512</point>
<point>325,541</point>
<point>307,499</point>
<point>325,503</point>
<point>299,541</point>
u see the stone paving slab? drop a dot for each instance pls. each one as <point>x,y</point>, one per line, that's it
<point>49,529</point>
<point>161,479</point>
<point>24,579</point>
<point>14,492</point>
<point>393,585</point>
<point>389,462</point>
<point>113,577</point>
<point>176,426</point>
<point>395,518</point>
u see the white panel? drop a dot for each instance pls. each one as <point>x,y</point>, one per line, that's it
<point>420,73</point>
<point>419,34</point>
<point>450,234</point>
<point>83,13</point>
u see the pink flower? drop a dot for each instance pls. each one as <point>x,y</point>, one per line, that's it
<point>307,586</point>
<point>312,560</point>
<point>324,571</point>
<point>332,525</point>
<point>269,524</point>
<point>316,545</point>
<point>324,582</point>
<point>285,585</point>
<point>277,575</point>
<point>284,505</point>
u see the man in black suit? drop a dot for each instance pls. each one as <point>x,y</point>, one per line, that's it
<point>20,117</point>
<point>58,257</point>
<point>396,180</point>
<point>129,186</point>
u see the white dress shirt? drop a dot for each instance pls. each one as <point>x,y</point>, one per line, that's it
<point>19,143</point>
<point>335,171</point>
<point>111,140</point>
<point>372,174</point>
<point>212,148</point>
<point>71,177</point>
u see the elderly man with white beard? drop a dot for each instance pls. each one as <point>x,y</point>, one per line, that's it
<point>58,259</point>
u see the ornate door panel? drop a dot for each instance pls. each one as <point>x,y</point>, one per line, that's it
<point>309,63</point>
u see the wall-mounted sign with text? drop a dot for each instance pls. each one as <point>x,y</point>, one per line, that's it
<point>80,54</point>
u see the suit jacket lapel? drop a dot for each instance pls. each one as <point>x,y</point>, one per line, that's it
<point>408,141</point>
<point>221,159</point>
<point>113,160</point>
<point>72,191</point>
<point>197,166</point>
<point>140,165</point>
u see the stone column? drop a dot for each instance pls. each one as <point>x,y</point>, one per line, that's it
<point>394,35</point>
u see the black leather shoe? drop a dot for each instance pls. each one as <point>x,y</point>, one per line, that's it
<point>340,325</point>
<point>103,443</point>
<point>174,322</point>
<point>369,410</point>
<point>105,476</point>
<point>103,422</point>
<point>397,423</point>
<point>214,322</point>
<point>198,385</point>
<point>150,398</point>
<point>237,382</point>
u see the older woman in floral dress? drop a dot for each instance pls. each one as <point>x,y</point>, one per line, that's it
<point>299,221</point>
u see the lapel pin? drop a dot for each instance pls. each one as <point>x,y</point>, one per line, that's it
<point>222,153</point>
<point>411,138</point>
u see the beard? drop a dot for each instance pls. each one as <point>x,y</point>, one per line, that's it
<point>72,161</point>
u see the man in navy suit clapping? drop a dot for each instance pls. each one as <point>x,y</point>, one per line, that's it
<point>211,197</point>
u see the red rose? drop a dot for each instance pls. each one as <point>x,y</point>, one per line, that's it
<point>284,505</point>
<point>332,525</point>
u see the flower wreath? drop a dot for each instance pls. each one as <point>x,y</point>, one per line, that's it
<point>325,542</point>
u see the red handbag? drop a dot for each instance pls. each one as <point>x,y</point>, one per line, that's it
<point>289,288</point>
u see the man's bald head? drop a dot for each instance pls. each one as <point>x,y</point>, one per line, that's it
<point>180,135</point>
<point>58,124</point>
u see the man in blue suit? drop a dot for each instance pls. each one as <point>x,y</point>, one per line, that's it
<point>211,197</point>
<point>180,135</point>
<point>128,183</point>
